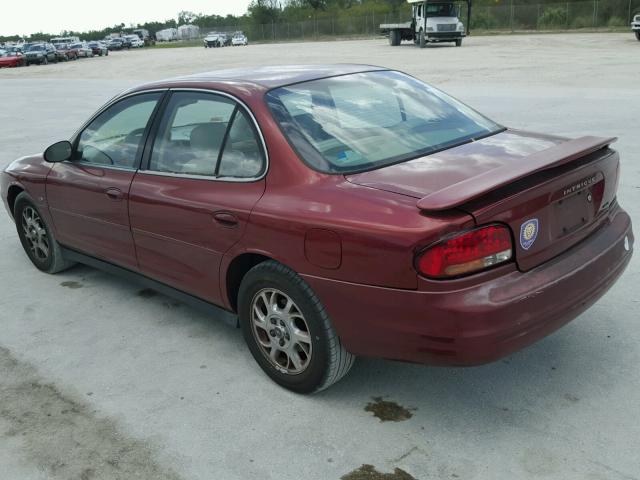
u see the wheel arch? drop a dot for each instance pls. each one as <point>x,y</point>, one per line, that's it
<point>237,269</point>
<point>12,194</point>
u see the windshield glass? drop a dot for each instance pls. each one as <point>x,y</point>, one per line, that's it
<point>368,120</point>
<point>441,10</point>
<point>76,45</point>
<point>36,48</point>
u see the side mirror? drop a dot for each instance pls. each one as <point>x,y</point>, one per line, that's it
<point>58,152</point>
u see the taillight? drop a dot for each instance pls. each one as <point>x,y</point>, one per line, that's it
<point>466,253</point>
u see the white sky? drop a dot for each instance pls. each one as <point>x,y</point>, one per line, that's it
<point>54,16</point>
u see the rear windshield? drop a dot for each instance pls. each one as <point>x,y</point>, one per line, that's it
<point>363,121</point>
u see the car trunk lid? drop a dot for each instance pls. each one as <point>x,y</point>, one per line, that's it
<point>552,192</point>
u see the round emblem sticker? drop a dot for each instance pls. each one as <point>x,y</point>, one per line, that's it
<point>528,233</point>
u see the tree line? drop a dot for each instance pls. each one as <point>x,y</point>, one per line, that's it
<point>261,12</point>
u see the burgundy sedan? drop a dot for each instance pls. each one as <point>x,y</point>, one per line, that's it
<point>331,212</point>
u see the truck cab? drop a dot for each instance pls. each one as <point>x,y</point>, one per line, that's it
<point>438,21</point>
<point>431,21</point>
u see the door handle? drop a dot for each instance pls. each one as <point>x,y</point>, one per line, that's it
<point>114,193</point>
<point>226,219</point>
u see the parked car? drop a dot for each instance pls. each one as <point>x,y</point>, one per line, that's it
<point>133,41</point>
<point>65,52</point>
<point>98,48</point>
<point>635,26</point>
<point>332,211</point>
<point>239,39</point>
<point>115,44</point>
<point>11,58</point>
<point>83,49</point>
<point>41,53</point>
<point>213,40</point>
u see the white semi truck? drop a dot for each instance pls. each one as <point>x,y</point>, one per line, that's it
<point>431,21</point>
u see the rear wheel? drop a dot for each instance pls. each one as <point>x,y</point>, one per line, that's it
<point>422,39</point>
<point>36,237</point>
<point>288,331</point>
<point>638,35</point>
<point>394,38</point>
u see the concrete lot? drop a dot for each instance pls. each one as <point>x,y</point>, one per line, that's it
<point>101,381</point>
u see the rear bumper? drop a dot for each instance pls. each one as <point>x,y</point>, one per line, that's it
<point>484,322</point>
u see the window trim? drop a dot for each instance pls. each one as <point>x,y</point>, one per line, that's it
<point>143,168</point>
<point>75,138</point>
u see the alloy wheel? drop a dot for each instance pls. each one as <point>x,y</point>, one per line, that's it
<point>35,234</point>
<point>281,331</point>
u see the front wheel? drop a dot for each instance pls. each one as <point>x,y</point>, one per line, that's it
<point>458,42</point>
<point>288,331</point>
<point>638,35</point>
<point>36,237</point>
<point>422,39</point>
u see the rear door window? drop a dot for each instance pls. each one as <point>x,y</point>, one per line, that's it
<point>209,135</point>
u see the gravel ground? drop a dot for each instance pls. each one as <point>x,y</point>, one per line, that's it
<point>100,380</point>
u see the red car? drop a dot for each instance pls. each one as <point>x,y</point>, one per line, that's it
<point>332,211</point>
<point>11,58</point>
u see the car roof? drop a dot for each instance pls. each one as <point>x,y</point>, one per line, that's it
<point>265,77</point>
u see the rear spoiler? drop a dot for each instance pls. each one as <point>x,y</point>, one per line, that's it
<point>472,188</point>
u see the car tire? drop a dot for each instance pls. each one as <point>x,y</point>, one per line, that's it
<point>37,238</point>
<point>638,35</point>
<point>317,359</point>
<point>422,42</point>
<point>459,42</point>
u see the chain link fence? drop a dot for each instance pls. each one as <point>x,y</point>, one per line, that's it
<point>587,14</point>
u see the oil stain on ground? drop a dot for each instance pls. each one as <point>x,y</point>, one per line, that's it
<point>71,284</point>
<point>369,472</point>
<point>63,436</point>
<point>388,411</point>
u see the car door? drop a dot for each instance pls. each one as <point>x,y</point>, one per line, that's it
<point>88,195</point>
<point>203,173</point>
